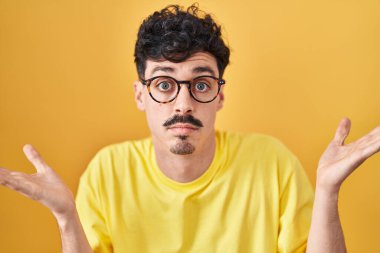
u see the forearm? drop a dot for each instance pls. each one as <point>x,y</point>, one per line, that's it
<point>326,235</point>
<point>48,189</point>
<point>72,235</point>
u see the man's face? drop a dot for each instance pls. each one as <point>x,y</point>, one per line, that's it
<point>183,126</point>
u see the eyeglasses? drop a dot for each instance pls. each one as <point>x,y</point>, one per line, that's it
<point>164,89</point>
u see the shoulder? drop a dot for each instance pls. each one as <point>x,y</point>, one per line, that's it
<point>267,155</point>
<point>254,143</point>
<point>122,150</point>
<point>115,156</point>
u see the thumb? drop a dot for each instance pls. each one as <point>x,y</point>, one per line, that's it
<point>35,158</point>
<point>342,131</point>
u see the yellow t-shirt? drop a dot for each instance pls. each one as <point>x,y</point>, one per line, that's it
<point>254,197</point>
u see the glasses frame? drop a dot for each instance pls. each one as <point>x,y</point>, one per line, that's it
<point>148,82</point>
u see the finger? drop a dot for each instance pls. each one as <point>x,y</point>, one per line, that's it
<point>20,182</point>
<point>342,131</point>
<point>15,181</point>
<point>374,135</point>
<point>35,158</point>
<point>371,148</point>
<point>6,175</point>
<point>8,178</point>
<point>3,176</point>
<point>368,146</point>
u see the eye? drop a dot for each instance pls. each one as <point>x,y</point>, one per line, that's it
<point>201,86</point>
<point>164,86</point>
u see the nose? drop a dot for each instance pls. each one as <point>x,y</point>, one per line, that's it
<point>184,103</point>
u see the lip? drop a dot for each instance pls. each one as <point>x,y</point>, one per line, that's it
<point>182,129</point>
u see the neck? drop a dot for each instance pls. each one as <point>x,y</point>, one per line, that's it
<point>185,168</point>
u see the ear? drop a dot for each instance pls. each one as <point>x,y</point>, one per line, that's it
<point>220,99</point>
<point>139,96</point>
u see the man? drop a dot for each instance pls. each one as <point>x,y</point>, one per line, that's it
<point>190,188</point>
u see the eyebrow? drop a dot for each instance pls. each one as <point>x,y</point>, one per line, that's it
<point>204,69</point>
<point>196,70</point>
<point>164,69</point>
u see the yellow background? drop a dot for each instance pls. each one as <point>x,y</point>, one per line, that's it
<point>297,67</point>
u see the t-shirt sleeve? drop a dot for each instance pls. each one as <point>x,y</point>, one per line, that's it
<point>296,203</point>
<point>90,209</point>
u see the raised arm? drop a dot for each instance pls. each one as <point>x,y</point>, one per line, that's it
<point>46,187</point>
<point>336,164</point>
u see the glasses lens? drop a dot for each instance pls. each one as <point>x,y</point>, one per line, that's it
<point>204,89</point>
<point>163,89</point>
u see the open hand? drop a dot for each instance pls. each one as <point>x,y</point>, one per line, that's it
<point>339,160</point>
<point>45,186</point>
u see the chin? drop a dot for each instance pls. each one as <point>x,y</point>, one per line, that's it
<point>182,148</point>
<point>181,145</point>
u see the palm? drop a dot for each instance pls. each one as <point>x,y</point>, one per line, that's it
<point>45,186</point>
<point>340,160</point>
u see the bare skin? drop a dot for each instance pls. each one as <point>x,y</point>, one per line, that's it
<point>47,188</point>
<point>326,236</point>
<point>181,168</point>
<point>337,162</point>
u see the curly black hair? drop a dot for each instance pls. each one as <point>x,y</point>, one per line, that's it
<point>175,34</point>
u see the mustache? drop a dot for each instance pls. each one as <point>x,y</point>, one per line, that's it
<point>183,119</point>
